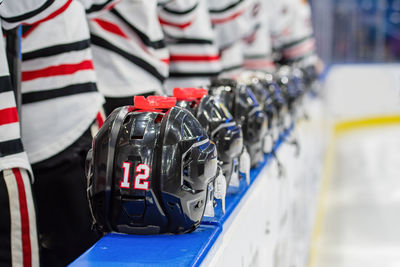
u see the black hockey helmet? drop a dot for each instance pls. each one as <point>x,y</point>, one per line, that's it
<point>151,169</point>
<point>258,81</point>
<point>220,126</point>
<point>279,103</point>
<point>243,105</point>
<point>287,83</point>
<point>310,76</point>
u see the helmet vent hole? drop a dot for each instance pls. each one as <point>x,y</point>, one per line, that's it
<point>187,158</point>
<point>171,205</point>
<point>158,119</point>
<point>186,171</point>
<point>127,120</point>
<point>192,104</point>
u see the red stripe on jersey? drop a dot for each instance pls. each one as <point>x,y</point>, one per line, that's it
<point>258,63</point>
<point>8,115</point>
<point>231,17</point>
<point>177,25</point>
<point>52,15</point>
<point>63,69</point>
<point>112,5</point>
<point>300,49</point>
<point>110,27</point>
<point>194,57</point>
<point>165,60</point>
<point>23,209</point>
<point>99,119</point>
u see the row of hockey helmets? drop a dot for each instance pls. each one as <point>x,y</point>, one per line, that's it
<point>266,97</point>
<point>221,128</point>
<point>152,169</point>
<point>243,105</point>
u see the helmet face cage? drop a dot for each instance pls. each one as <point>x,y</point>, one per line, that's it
<point>222,129</point>
<point>159,172</point>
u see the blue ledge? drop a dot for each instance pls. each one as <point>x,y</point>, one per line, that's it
<point>168,250</point>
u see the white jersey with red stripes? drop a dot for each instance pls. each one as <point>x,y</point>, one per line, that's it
<point>15,171</point>
<point>59,94</point>
<point>230,25</point>
<point>129,52</point>
<point>194,56</point>
<point>257,47</point>
<point>292,31</point>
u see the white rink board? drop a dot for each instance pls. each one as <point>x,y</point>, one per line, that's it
<point>268,228</point>
<point>359,91</point>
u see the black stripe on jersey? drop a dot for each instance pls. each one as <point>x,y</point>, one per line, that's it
<point>191,41</point>
<point>232,68</point>
<point>29,14</point>
<point>288,45</point>
<point>180,12</point>
<point>145,39</point>
<point>98,7</point>
<point>296,59</point>
<point>56,50</point>
<point>5,84</point>
<point>26,28</point>
<point>96,40</point>
<point>177,40</point>
<point>11,147</point>
<point>258,56</point>
<point>193,74</point>
<point>5,224</point>
<point>226,8</point>
<point>74,89</point>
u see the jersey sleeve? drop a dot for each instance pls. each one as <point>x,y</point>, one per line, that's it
<point>12,154</point>
<point>194,55</point>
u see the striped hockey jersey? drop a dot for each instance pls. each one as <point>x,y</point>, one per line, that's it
<point>194,55</point>
<point>59,93</point>
<point>12,154</point>
<point>19,243</point>
<point>257,47</point>
<point>230,26</point>
<point>129,52</point>
<point>292,31</point>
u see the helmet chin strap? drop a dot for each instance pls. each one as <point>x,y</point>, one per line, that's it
<point>220,188</point>
<point>216,190</point>
<point>268,143</point>
<point>209,209</point>
<point>234,182</point>
<point>245,164</point>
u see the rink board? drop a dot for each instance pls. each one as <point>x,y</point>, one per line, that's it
<point>171,250</point>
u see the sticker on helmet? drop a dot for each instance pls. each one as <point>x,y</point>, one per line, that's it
<point>125,180</point>
<point>140,177</point>
<point>143,172</point>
